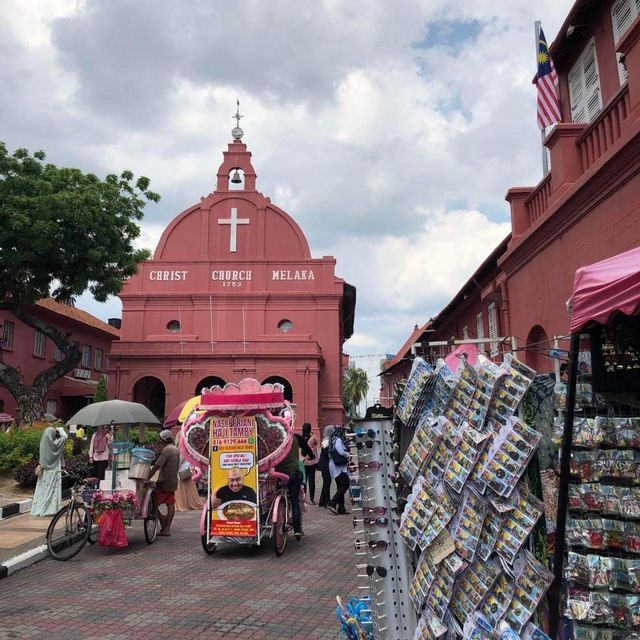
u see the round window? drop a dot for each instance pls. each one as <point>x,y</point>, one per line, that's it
<point>285,325</point>
<point>173,326</point>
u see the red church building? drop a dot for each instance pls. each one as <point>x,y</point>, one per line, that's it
<point>231,292</point>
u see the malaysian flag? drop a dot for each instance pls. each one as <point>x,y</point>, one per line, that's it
<point>547,83</point>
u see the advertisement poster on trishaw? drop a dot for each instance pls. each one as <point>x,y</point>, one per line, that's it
<point>234,476</point>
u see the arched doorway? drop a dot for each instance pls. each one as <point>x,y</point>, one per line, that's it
<point>208,382</point>
<point>288,389</point>
<point>537,347</point>
<point>150,392</point>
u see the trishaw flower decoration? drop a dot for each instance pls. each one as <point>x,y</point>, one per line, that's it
<point>125,501</point>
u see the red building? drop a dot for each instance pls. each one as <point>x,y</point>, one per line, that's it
<point>32,351</point>
<point>584,210</point>
<point>232,291</point>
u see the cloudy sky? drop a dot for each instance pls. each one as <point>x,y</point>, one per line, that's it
<point>390,130</point>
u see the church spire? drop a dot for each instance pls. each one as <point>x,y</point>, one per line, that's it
<point>237,132</point>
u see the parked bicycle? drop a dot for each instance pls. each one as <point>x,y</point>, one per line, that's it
<point>72,527</point>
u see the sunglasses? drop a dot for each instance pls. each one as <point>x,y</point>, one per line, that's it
<point>359,433</point>
<point>372,466</point>
<point>381,545</point>
<point>381,522</point>
<point>374,511</point>
<point>366,443</point>
<point>381,571</point>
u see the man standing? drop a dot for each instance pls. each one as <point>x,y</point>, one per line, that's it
<point>234,489</point>
<point>167,463</point>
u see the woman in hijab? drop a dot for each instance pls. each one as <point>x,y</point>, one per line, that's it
<point>323,465</point>
<point>187,497</point>
<point>339,471</point>
<point>48,493</point>
<point>99,451</point>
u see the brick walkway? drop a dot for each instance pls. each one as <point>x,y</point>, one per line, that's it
<point>173,590</point>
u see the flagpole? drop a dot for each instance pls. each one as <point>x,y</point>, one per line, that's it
<point>543,132</point>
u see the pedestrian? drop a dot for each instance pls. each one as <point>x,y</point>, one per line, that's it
<point>187,497</point>
<point>338,459</point>
<point>323,465</point>
<point>80,433</point>
<point>165,491</point>
<point>310,463</point>
<point>99,451</point>
<point>47,497</point>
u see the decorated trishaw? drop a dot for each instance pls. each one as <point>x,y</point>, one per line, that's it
<point>234,438</point>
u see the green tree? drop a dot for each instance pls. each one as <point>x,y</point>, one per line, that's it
<point>354,389</point>
<point>62,232</point>
<point>101,390</point>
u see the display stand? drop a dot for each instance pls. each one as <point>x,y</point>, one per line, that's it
<point>392,614</point>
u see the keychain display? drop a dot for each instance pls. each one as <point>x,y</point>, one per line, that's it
<point>469,512</point>
<point>608,500</point>
<point>601,431</point>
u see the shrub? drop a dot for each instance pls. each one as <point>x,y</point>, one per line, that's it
<point>25,474</point>
<point>19,446</point>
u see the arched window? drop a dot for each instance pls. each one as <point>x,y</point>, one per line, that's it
<point>173,326</point>
<point>285,325</point>
<point>536,351</point>
<point>288,390</point>
<point>207,383</point>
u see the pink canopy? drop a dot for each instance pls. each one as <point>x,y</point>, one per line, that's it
<point>604,288</point>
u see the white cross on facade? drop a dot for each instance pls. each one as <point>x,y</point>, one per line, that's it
<point>233,221</point>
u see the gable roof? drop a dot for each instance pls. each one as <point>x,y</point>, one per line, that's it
<point>69,311</point>
<point>405,349</point>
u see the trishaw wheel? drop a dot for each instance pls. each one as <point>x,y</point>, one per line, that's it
<point>209,547</point>
<point>280,528</point>
<point>151,521</point>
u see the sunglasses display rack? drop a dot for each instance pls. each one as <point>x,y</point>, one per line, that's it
<point>469,514</point>
<point>383,562</point>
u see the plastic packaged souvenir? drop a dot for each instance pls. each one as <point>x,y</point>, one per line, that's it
<point>464,458</point>
<point>531,632</point>
<point>489,533</point>
<point>517,525</point>
<point>472,586</point>
<point>439,595</point>
<point>421,582</point>
<point>497,600</point>
<point>467,524</point>
<point>420,373</point>
<point>532,580</point>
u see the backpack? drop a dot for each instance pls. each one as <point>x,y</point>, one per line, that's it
<point>338,459</point>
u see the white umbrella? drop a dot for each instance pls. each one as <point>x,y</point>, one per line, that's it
<point>116,411</point>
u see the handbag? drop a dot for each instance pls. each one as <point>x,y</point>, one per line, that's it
<point>184,470</point>
<point>338,459</point>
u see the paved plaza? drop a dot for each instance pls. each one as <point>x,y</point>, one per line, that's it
<point>171,589</point>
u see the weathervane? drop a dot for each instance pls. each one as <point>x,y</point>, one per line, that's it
<point>237,132</point>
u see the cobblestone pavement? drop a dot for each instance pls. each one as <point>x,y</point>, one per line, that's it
<point>171,589</point>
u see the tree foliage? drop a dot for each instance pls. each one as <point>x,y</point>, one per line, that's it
<point>355,385</point>
<point>101,390</point>
<point>63,232</point>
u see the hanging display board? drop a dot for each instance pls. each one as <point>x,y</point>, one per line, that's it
<point>234,476</point>
<point>470,511</point>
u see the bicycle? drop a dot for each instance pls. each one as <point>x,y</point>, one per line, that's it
<point>72,527</point>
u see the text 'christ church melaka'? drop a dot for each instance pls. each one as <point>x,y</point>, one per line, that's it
<point>231,292</point>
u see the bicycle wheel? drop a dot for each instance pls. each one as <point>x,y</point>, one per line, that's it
<point>151,521</point>
<point>94,529</point>
<point>280,527</point>
<point>68,531</point>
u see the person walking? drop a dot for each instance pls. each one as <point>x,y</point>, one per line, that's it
<point>323,465</point>
<point>48,494</point>
<point>338,459</point>
<point>310,463</point>
<point>165,491</point>
<point>187,497</point>
<point>99,450</point>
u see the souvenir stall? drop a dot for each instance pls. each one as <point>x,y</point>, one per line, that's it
<point>456,511</point>
<point>597,554</point>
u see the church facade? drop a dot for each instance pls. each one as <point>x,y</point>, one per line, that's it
<point>231,292</point>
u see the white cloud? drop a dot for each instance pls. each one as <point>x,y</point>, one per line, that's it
<point>390,136</point>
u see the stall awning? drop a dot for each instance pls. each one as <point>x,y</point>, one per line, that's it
<point>604,288</point>
<point>77,387</point>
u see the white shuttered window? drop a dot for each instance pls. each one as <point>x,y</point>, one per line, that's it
<point>480,331</point>
<point>623,13</point>
<point>584,86</point>
<point>492,313</point>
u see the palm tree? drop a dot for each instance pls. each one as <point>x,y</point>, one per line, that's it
<point>354,388</point>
